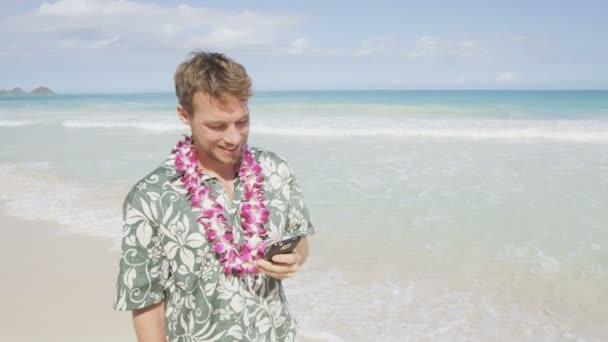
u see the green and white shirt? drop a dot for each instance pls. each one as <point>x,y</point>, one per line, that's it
<point>165,256</point>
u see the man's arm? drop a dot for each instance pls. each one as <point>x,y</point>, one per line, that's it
<point>302,249</point>
<point>149,323</point>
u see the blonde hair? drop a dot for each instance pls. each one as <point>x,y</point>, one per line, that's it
<point>212,74</point>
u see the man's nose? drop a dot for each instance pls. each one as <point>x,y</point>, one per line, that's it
<point>233,136</point>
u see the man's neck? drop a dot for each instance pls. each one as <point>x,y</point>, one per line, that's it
<point>223,172</point>
<point>224,175</point>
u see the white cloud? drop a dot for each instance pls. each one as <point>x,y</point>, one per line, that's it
<point>78,8</point>
<point>244,29</point>
<point>528,39</point>
<point>371,51</point>
<point>506,77</point>
<point>104,43</point>
<point>299,47</point>
<point>99,24</point>
<point>482,49</point>
<point>490,48</point>
<point>432,48</point>
<point>381,45</point>
<point>303,46</point>
<point>459,80</point>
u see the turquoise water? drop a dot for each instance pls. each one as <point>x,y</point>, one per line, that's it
<point>466,215</point>
<point>532,104</point>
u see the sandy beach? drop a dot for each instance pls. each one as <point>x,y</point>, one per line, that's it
<point>60,287</point>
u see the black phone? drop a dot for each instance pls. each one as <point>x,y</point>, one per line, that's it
<point>282,247</point>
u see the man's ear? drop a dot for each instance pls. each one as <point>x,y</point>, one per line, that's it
<point>183,115</point>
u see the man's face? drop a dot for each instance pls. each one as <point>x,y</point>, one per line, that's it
<point>220,129</point>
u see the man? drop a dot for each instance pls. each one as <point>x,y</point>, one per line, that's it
<point>196,227</point>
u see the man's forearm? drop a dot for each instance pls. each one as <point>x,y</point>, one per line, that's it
<point>149,323</point>
<point>302,249</point>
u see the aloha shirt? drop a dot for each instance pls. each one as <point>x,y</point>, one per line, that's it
<point>166,257</point>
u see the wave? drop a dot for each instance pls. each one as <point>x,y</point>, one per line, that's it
<point>450,133</point>
<point>15,123</point>
<point>569,131</point>
<point>27,186</point>
<point>369,108</point>
<point>149,126</point>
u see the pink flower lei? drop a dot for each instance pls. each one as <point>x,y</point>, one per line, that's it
<point>254,214</point>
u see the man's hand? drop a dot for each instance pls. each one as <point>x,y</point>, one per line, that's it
<point>282,266</point>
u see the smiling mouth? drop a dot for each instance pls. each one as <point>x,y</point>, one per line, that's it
<point>229,150</point>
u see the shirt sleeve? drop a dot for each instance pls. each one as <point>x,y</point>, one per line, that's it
<point>143,268</point>
<point>298,217</point>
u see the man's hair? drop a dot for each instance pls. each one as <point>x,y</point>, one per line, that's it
<point>212,74</point>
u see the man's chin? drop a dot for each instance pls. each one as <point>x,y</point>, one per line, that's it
<point>228,160</point>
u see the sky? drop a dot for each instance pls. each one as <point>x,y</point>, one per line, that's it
<point>106,46</point>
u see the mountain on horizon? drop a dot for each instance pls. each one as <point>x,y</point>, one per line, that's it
<point>20,91</point>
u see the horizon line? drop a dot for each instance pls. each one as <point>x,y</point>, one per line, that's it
<point>59,93</point>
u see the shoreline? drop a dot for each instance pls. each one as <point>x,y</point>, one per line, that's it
<point>59,286</point>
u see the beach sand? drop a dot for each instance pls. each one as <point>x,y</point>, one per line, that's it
<point>59,287</point>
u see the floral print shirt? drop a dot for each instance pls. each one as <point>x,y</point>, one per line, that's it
<point>166,257</point>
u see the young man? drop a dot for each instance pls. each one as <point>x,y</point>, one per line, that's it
<point>197,226</point>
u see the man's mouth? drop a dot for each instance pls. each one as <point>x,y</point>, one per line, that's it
<point>228,150</point>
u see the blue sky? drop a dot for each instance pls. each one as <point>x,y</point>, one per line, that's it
<point>134,46</point>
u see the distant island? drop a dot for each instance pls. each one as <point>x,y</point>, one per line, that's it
<point>20,91</point>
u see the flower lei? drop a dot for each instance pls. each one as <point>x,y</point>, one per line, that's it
<point>254,214</point>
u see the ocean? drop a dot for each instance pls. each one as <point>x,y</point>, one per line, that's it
<point>441,215</point>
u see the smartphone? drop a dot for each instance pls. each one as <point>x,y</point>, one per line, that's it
<point>282,247</point>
